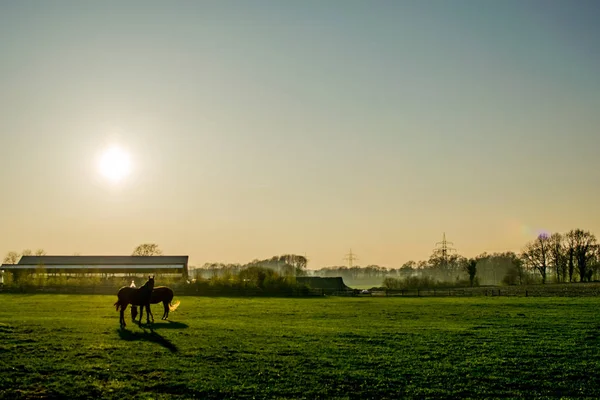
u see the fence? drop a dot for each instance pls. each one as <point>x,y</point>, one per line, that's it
<point>570,290</point>
<point>550,290</point>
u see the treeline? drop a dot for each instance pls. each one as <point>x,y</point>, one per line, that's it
<point>567,257</point>
<point>438,271</point>
<point>248,280</point>
<point>573,256</point>
<point>491,269</point>
<point>458,271</point>
<point>251,281</point>
<point>285,265</point>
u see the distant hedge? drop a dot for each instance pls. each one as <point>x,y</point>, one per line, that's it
<point>253,281</point>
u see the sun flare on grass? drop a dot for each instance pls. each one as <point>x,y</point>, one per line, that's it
<point>115,164</point>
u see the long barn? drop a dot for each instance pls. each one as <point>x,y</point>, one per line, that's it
<point>104,265</point>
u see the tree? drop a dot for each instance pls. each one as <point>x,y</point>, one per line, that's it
<point>408,268</point>
<point>297,262</point>
<point>536,255</point>
<point>445,266</point>
<point>12,258</point>
<point>569,248</point>
<point>558,257</point>
<point>595,265</point>
<point>584,246</point>
<point>257,275</point>
<point>147,249</point>
<point>471,268</point>
<point>518,266</point>
<point>496,268</point>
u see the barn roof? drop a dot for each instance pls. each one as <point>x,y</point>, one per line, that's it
<point>102,260</point>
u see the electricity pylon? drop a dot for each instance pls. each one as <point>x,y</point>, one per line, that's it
<point>350,257</point>
<point>444,249</point>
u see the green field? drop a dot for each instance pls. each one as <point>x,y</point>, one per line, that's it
<point>57,346</point>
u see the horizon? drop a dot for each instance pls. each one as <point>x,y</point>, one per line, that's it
<point>230,131</point>
<point>438,247</point>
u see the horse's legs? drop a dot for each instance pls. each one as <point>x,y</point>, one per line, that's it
<point>141,313</point>
<point>133,312</point>
<point>149,313</point>
<point>122,316</point>
<point>166,312</point>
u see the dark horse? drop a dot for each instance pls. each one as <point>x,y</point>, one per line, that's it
<point>160,294</point>
<point>136,297</point>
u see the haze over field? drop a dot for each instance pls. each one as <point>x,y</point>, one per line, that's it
<point>235,130</point>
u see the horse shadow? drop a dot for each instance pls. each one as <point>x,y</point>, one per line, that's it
<point>149,336</point>
<point>169,325</point>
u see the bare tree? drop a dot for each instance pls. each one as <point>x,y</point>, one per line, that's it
<point>569,248</point>
<point>584,246</point>
<point>12,258</point>
<point>296,261</point>
<point>147,249</point>
<point>536,255</point>
<point>558,257</point>
<point>445,266</point>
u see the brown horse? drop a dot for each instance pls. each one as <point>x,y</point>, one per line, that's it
<point>136,297</point>
<point>160,294</point>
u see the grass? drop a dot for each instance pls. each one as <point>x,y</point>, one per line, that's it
<point>70,346</point>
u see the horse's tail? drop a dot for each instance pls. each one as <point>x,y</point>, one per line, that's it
<point>117,304</point>
<point>173,307</point>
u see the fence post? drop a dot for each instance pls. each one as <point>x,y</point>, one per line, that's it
<point>417,292</point>
<point>526,294</point>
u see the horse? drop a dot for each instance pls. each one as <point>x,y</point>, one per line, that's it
<point>159,294</point>
<point>136,297</point>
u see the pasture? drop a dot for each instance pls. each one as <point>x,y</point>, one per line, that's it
<point>70,346</point>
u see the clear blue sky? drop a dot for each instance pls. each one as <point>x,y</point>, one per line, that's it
<point>269,127</point>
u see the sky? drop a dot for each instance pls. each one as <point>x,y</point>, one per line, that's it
<point>309,127</point>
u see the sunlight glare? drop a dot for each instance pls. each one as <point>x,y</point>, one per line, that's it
<point>115,164</point>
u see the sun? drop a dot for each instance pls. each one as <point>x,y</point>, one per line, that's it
<point>115,164</point>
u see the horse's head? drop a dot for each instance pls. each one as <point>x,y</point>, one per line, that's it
<point>150,283</point>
